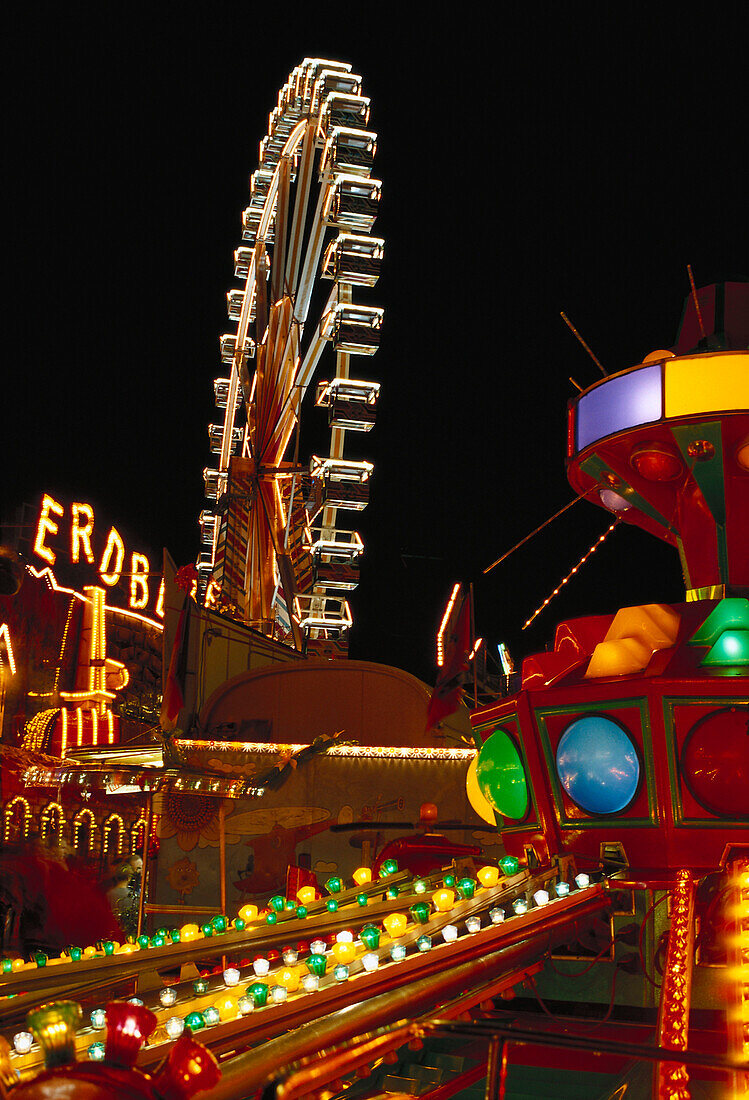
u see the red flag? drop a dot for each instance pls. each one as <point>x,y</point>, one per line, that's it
<point>174,697</point>
<point>456,648</point>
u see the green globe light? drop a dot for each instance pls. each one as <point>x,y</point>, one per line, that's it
<point>501,776</point>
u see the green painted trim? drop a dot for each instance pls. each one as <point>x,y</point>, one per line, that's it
<point>670,703</point>
<point>708,475</point>
<point>641,704</point>
<point>596,468</point>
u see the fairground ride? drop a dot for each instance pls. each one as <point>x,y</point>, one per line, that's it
<point>273,555</point>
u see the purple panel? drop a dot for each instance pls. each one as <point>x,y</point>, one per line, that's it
<point>622,402</point>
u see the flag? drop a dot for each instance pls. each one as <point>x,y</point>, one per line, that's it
<point>173,699</point>
<point>457,645</point>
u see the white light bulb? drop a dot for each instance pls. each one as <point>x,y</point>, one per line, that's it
<point>261,967</point>
<point>23,1042</point>
<point>175,1025</point>
<point>562,889</point>
<point>231,976</point>
<point>370,961</point>
<point>582,880</point>
<point>317,947</point>
<point>473,924</point>
<point>310,983</point>
<point>168,996</point>
<point>496,915</point>
<point>449,933</point>
<point>279,993</point>
<point>541,897</point>
<point>345,937</point>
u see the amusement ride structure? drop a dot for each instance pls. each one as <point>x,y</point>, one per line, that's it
<point>274,556</point>
<point>606,952</point>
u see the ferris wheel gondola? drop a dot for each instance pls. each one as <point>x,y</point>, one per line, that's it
<point>273,554</point>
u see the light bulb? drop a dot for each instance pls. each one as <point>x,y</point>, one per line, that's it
<point>370,961</point>
<point>473,924</point>
<point>175,1025</point>
<point>98,1018</point>
<point>345,937</point>
<point>424,943</point>
<point>340,973</point>
<point>261,967</point>
<point>562,889</point>
<point>168,997</point>
<point>496,915</point>
<point>231,976</point>
<point>310,982</point>
<point>23,1042</point>
<point>449,933</point>
<point>318,947</point>
<point>520,905</point>
<point>397,952</point>
<point>541,897</point>
<point>245,1005</point>
<point>582,881</point>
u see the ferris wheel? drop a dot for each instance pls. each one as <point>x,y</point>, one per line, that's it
<point>274,555</point>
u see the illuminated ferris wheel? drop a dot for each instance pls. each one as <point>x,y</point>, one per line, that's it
<point>273,553</point>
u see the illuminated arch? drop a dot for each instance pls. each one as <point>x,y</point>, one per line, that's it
<point>84,824</point>
<point>50,826</point>
<point>113,822</point>
<point>10,818</point>
<point>138,834</point>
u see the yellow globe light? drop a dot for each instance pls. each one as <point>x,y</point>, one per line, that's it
<point>395,924</point>
<point>248,913</point>
<point>476,797</point>
<point>362,875</point>
<point>306,895</point>
<point>344,953</point>
<point>89,952</point>
<point>289,978</point>
<point>126,949</point>
<point>488,877</point>
<point>188,932</point>
<point>19,964</point>
<point>227,1006</point>
<point>443,900</point>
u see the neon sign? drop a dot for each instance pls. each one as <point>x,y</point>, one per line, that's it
<point>112,563</point>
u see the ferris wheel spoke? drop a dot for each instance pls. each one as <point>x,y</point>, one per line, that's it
<point>300,206</point>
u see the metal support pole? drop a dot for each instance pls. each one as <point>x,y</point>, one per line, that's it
<point>144,869</point>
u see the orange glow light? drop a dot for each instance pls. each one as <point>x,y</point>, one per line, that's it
<point>47,526</point>
<point>362,875</point>
<point>140,567</point>
<point>395,925</point>
<point>115,547</point>
<point>81,529</point>
<point>443,626</point>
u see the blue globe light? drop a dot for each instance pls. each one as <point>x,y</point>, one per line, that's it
<point>597,764</point>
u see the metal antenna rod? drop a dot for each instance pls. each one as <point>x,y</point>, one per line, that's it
<point>696,301</point>
<point>574,332</point>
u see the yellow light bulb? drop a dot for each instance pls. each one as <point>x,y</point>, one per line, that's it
<point>89,952</point>
<point>488,876</point>
<point>345,953</point>
<point>362,875</point>
<point>227,1006</point>
<point>289,978</point>
<point>306,895</point>
<point>443,900</point>
<point>248,913</point>
<point>395,924</point>
<point>188,932</point>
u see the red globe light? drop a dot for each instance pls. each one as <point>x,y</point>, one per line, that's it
<point>128,1026</point>
<point>656,462</point>
<point>190,1068</point>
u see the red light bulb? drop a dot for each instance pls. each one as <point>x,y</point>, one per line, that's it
<point>128,1026</point>
<point>190,1068</point>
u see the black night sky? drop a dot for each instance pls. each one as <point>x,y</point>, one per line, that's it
<point>572,157</point>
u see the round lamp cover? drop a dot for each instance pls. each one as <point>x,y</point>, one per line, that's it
<point>598,765</point>
<point>501,776</point>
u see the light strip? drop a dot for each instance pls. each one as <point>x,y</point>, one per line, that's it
<point>673,1014</point>
<point>443,626</point>
<point>381,751</point>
